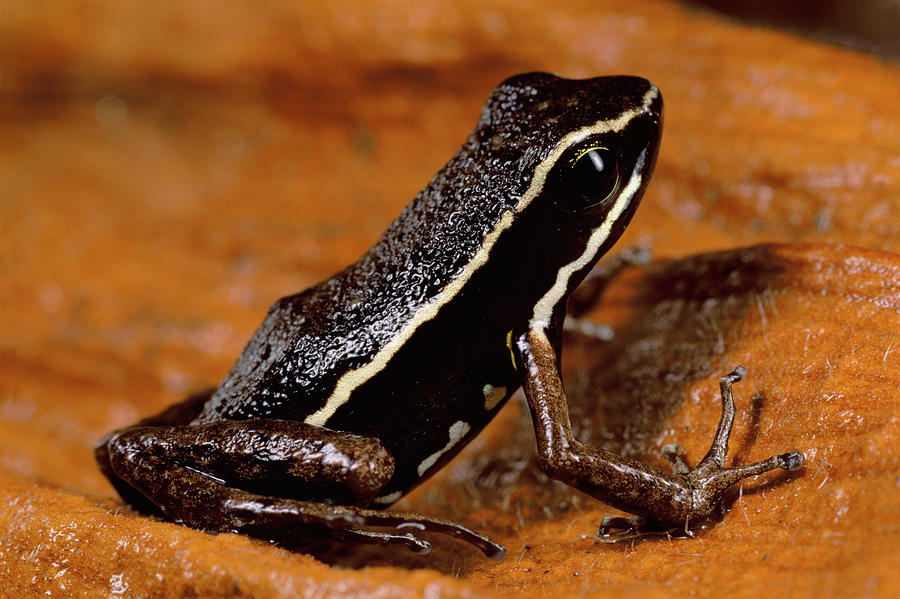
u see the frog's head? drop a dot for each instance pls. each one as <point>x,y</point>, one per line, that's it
<point>583,152</point>
<point>543,186</point>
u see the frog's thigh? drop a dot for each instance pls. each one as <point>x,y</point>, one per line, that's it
<point>182,412</point>
<point>233,477</point>
<point>201,501</point>
<point>282,458</point>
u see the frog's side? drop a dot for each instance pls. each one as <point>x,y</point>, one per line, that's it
<point>359,388</point>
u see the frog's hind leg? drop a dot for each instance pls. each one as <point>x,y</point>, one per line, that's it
<point>182,412</point>
<point>272,479</point>
<point>413,521</point>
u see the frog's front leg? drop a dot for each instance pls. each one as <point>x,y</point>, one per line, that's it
<point>272,479</point>
<point>679,497</point>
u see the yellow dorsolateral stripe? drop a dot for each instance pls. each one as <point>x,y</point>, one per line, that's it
<point>352,379</point>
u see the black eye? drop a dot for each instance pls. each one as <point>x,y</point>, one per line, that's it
<point>588,179</point>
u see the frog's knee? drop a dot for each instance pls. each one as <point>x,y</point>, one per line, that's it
<point>368,475</point>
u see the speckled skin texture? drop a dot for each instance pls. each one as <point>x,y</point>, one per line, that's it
<point>309,340</point>
<point>427,399</point>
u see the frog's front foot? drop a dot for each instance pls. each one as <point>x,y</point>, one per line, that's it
<point>710,480</point>
<point>680,498</point>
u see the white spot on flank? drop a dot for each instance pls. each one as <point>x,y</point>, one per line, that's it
<point>389,498</point>
<point>493,396</point>
<point>352,379</point>
<point>457,431</point>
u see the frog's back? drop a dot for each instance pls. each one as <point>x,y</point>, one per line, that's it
<point>317,348</point>
<point>309,340</point>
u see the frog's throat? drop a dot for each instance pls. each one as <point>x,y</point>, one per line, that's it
<point>353,379</point>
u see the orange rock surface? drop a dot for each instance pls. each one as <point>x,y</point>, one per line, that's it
<point>169,169</point>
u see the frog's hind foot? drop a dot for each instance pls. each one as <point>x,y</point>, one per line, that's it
<point>412,521</point>
<point>371,537</point>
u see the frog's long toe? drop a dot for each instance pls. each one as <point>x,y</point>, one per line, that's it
<point>410,520</point>
<point>415,544</point>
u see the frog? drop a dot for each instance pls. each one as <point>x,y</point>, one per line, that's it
<point>353,392</point>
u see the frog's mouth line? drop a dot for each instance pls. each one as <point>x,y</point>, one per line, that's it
<point>353,379</point>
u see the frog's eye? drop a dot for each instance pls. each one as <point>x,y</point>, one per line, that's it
<point>588,179</point>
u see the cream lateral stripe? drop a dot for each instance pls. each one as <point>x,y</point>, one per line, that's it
<point>543,309</point>
<point>352,379</point>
